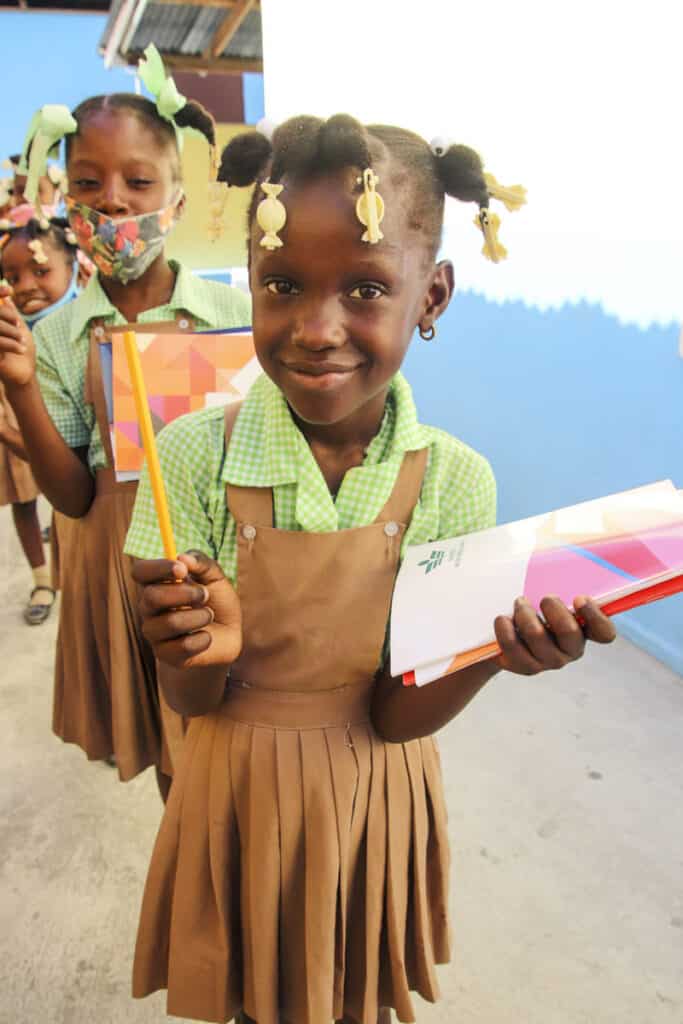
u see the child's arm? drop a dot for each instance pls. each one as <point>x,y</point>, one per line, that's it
<point>401,713</point>
<point>59,471</point>
<point>193,621</point>
<point>13,439</point>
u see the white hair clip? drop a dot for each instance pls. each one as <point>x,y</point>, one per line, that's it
<point>440,145</point>
<point>266,127</point>
<point>36,247</point>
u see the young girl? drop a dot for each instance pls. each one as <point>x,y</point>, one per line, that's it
<point>300,874</point>
<point>39,264</point>
<point>125,194</point>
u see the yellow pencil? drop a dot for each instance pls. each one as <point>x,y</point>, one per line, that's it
<point>149,443</point>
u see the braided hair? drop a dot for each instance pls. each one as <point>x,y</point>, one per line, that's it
<point>191,115</point>
<point>56,230</point>
<point>303,148</point>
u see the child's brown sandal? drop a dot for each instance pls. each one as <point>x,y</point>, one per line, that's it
<point>36,614</point>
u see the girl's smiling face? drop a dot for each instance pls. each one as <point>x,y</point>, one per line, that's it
<point>120,167</point>
<point>36,285</point>
<point>333,316</point>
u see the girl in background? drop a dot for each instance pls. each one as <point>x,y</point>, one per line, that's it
<point>40,266</point>
<point>125,195</point>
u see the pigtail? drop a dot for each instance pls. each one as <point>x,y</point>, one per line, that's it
<point>462,175</point>
<point>244,159</point>
<point>193,115</point>
<point>62,232</point>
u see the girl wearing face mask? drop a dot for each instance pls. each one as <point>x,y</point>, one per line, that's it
<point>125,194</point>
<point>39,264</point>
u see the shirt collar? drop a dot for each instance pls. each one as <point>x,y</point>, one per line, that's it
<point>267,448</point>
<point>191,294</point>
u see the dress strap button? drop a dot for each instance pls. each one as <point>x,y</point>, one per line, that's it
<point>99,331</point>
<point>391,529</point>
<point>183,324</point>
<point>248,531</point>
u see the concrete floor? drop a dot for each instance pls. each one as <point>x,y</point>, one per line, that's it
<point>566,812</point>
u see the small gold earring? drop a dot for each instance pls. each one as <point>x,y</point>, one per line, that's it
<point>428,333</point>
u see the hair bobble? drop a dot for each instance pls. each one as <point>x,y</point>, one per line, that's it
<point>266,127</point>
<point>440,145</point>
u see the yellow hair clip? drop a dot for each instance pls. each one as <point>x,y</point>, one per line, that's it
<point>512,197</point>
<point>370,207</point>
<point>36,247</point>
<point>271,215</point>
<point>488,223</point>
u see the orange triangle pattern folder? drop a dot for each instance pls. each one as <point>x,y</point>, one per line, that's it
<point>623,550</point>
<point>183,373</point>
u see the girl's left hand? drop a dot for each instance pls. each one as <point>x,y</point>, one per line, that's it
<point>529,646</point>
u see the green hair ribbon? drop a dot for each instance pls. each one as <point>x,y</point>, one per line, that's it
<point>167,99</point>
<point>48,127</point>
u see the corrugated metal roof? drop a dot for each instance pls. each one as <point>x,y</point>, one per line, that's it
<point>187,29</point>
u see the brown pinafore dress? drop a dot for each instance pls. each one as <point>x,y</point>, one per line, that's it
<point>300,873</point>
<point>106,698</point>
<point>17,485</point>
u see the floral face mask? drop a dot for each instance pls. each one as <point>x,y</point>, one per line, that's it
<point>123,247</point>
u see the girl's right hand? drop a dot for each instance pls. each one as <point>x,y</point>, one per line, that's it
<point>191,613</point>
<point>17,348</point>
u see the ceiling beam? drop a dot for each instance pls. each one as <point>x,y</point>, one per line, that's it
<point>202,3</point>
<point>222,65</point>
<point>227,28</point>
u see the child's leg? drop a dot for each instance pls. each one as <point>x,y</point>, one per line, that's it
<point>164,784</point>
<point>25,516</point>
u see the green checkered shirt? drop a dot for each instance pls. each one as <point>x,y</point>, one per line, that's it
<point>268,450</point>
<point>63,341</point>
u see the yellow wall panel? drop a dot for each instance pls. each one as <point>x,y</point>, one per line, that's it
<point>189,240</point>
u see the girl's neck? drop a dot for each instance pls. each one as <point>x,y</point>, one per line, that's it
<point>356,431</point>
<point>339,447</point>
<point>153,289</point>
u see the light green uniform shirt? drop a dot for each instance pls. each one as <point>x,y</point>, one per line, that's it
<point>267,449</point>
<point>63,342</point>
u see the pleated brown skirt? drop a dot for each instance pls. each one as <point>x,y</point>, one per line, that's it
<point>16,479</point>
<point>299,875</point>
<point>105,697</point>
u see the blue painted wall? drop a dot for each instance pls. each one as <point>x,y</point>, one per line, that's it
<point>53,58</point>
<point>50,58</point>
<point>567,405</point>
<point>252,91</point>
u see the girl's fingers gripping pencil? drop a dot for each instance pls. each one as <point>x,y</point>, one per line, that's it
<point>149,444</point>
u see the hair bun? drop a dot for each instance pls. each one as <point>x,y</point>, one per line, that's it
<point>194,115</point>
<point>343,140</point>
<point>244,158</point>
<point>462,174</point>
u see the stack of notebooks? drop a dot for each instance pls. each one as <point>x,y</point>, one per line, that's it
<point>623,550</point>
